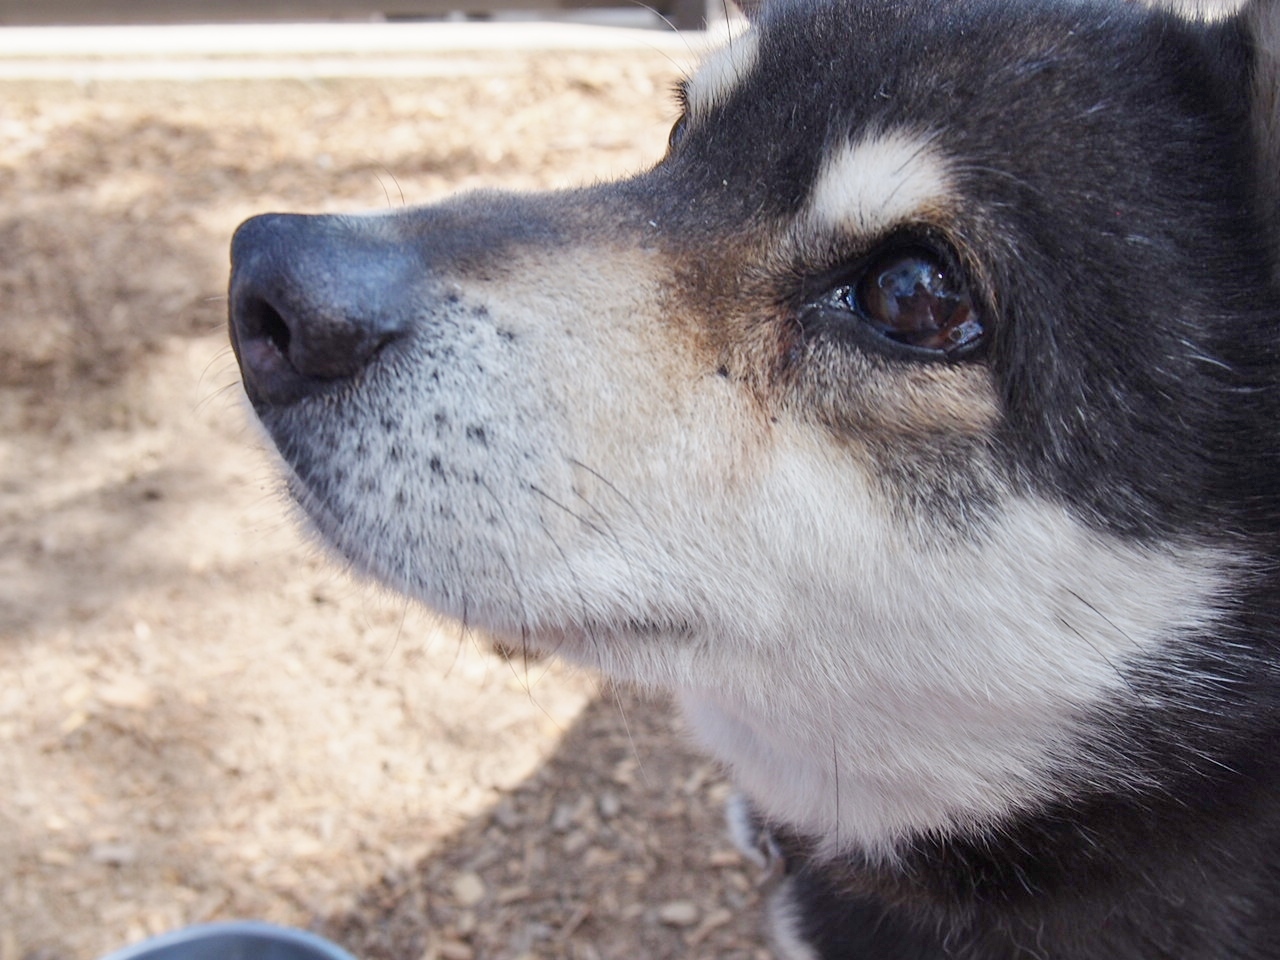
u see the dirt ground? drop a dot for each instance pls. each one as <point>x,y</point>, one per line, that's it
<point>201,718</point>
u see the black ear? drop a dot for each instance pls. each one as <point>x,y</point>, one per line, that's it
<point>1262,23</point>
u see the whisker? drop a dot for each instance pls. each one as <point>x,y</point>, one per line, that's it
<point>396,181</point>
<point>1112,624</point>
<point>564,558</point>
<point>577,516</point>
<point>612,692</point>
<point>506,563</point>
<point>218,394</point>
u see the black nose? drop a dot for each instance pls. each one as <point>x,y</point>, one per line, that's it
<point>313,300</point>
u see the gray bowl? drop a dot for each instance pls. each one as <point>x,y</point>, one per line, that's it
<point>233,941</point>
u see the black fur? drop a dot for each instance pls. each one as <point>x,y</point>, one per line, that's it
<point>1111,196</point>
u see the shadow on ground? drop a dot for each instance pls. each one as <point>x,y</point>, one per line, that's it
<point>614,848</point>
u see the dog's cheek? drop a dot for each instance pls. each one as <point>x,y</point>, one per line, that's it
<point>922,434</point>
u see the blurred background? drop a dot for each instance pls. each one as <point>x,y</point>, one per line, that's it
<point>680,14</point>
<point>201,717</point>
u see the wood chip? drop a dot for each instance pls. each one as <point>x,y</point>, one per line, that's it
<point>468,889</point>
<point>128,693</point>
<point>113,854</point>
<point>455,950</point>
<point>679,913</point>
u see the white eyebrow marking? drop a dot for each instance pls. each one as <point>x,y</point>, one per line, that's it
<point>721,73</point>
<point>878,182</point>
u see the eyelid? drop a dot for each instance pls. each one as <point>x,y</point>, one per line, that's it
<point>844,266</point>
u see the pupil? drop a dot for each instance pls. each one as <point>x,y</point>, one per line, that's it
<point>907,299</point>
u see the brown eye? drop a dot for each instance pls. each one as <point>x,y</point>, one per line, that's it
<point>909,297</point>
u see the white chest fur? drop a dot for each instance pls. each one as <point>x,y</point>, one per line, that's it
<point>944,692</point>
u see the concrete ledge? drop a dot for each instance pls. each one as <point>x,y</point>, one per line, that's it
<point>278,39</point>
<point>270,51</point>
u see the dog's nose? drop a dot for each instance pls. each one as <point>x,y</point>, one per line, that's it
<point>313,299</point>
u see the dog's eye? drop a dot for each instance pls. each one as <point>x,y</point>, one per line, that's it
<point>912,299</point>
<point>677,132</point>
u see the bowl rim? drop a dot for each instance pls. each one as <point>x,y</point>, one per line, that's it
<point>206,932</point>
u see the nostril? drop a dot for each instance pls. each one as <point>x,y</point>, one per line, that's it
<point>258,327</point>
<point>261,339</point>
<point>288,353</point>
<point>274,329</point>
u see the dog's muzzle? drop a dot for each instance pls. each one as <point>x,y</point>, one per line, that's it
<point>312,300</point>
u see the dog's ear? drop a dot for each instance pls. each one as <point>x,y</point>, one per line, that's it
<point>1262,22</point>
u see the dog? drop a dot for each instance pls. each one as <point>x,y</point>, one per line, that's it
<point>914,420</point>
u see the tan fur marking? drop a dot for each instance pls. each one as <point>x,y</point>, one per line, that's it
<point>935,397</point>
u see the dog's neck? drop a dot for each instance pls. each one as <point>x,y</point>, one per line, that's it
<point>958,696</point>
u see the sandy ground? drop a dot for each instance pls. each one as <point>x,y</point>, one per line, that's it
<point>200,717</point>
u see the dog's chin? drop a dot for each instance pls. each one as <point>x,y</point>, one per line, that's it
<point>611,648</point>
<point>589,640</point>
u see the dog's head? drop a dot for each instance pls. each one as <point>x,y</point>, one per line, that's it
<point>916,408</point>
